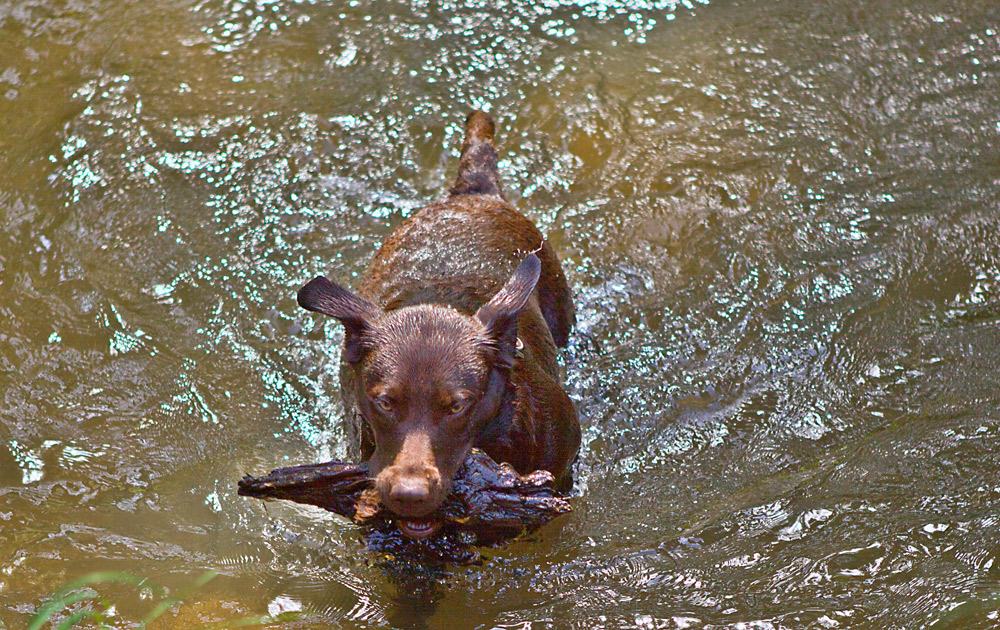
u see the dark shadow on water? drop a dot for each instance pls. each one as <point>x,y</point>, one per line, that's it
<point>418,591</point>
<point>418,570</point>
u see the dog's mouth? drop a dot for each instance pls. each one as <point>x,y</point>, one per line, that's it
<point>418,528</point>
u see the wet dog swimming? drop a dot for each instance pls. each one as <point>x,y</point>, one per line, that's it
<point>450,343</point>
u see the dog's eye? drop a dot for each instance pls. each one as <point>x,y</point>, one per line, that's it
<point>383,404</point>
<point>458,407</point>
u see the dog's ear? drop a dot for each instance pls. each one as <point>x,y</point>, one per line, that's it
<point>500,314</point>
<point>355,313</point>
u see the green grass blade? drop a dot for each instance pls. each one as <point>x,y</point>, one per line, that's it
<point>59,602</point>
<point>165,604</point>
<point>118,577</point>
<point>72,620</point>
<point>77,590</point>
<point>262,620</point>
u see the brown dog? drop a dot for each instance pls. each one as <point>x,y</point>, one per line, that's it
<point>445,350</point>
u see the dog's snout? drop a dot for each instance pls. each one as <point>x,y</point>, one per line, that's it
<point>410,490</point>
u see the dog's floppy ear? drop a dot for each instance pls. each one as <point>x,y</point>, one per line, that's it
<point>355,313</point>
<point>500,314</point>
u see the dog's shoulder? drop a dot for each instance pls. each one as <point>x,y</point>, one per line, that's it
<point>457,251</point>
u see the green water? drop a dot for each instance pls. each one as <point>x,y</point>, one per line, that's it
<point>781,222</point>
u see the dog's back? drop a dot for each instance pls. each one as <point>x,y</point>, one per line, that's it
<point>461,250</point>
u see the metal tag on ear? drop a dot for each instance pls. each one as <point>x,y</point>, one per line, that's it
<point>519,349</point>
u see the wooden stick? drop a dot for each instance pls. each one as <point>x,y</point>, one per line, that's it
<point>487,499</point>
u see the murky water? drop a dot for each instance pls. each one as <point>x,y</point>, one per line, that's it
<point>781,221</point>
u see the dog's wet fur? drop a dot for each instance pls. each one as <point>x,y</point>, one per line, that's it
<point>450,343</point>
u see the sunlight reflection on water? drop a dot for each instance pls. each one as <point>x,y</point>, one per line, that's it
<point>779,222</point>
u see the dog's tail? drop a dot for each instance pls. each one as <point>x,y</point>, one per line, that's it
<point>477,168</point>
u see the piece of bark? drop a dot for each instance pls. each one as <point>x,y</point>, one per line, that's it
<point>488,500</point>
<point>335,486</point>
<point>494,502</point>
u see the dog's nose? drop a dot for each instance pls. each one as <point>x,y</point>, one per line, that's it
<point>410,491</point>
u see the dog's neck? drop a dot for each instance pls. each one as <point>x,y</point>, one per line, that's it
<point>502,421</point>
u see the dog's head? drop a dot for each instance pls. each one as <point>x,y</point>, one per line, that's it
<point>429,379</point>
